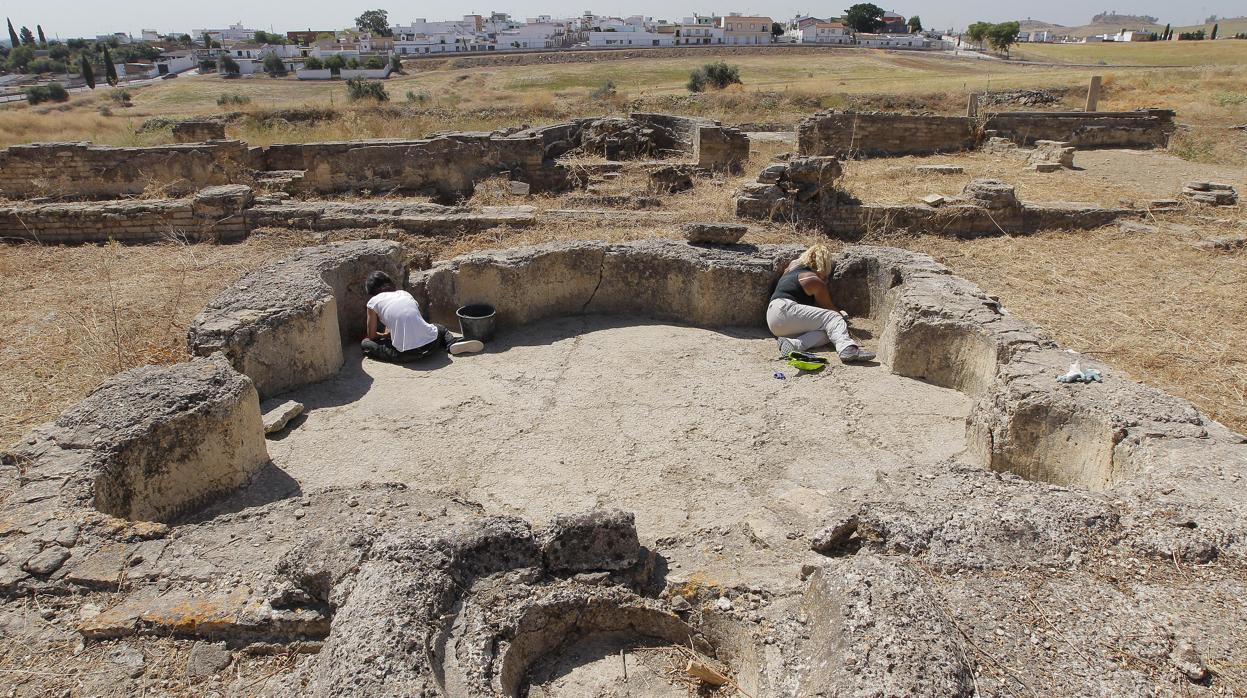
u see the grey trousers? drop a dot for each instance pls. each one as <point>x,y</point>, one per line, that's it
<point>807,326</point>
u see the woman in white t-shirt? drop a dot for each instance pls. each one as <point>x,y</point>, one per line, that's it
<point>398,333</point>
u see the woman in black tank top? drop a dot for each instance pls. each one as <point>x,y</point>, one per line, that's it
<point>802,314</point>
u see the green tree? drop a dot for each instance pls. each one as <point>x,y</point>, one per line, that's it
<point>14,42</point>
<point>229,67</point>
<point>335,63</point>
<point>978,31</point>
<point>1164,36</point>
<point>396,63</point>
<point>777,29</point>
<point>1213,36</point>
<point>1003,35</point>
<point>19,58</point>
<point>59,52</point>
<point>914,24</point>
<point>864,17</point>
<point>274,65</point>
<point>110,69</point>
<point>43,40</point>
<point>207,40</point>
<point>374,63</point>
<point>88,73</point>
<point>375,22</point>
<point>314,63</point>
<point>28,37</point>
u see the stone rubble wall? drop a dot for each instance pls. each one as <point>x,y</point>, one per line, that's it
<point>882,134</point>
<point>82,170</point>
<point>804,191</point>
<point>216,213</point>
<point>283,326</point>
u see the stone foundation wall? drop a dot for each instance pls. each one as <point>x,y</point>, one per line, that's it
<point>283,326</point>
<point>720,148</point>
<point>92,171</point>
<point>880,134</point>
<point>216,213</point>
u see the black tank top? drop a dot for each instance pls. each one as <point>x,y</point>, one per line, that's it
<point>789,287</point>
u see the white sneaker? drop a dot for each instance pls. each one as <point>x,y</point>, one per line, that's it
<point>466,346</point>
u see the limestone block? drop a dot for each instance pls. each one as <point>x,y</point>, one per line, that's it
<point>601,539</point>
<point>714,233</point>
<point>277,414</point>
<point>991,194</point>
<point>198,131</point>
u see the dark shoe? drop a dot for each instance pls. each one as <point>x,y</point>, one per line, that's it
<point>854,353</point>
<point>465,346</point>
<point>786,347</point>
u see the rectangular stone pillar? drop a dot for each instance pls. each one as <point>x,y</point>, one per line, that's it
<point>972,105</point>
<point>1093,93</point>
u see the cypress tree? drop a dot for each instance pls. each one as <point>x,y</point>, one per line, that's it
<point>43,40</point>
<point>14,42</point>
<point>110,70</point>
<point>1214,32</point>
<point>28,37</point>
<point>1164,36</point>
<point>88,73</point>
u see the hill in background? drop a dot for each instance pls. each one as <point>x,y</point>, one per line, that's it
<point>1112,22</point>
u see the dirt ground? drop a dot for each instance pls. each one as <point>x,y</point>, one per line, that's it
<point>580,412</point>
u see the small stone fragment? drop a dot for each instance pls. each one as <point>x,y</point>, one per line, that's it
<point>934,200</point>
<point>278,415</point>
<point>47,560</point>
<point>679,604</point>
<point>129,658</point>
<point>520,188</point>
<point>834,533</point>
<point>1135,227</point>
<point>206,659</point>
<point>940,169</point>
<point>1046,166</point>
<point>723,604</point>
<point>1186,660</point>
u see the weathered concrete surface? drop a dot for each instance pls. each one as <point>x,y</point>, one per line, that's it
<point>283,326</point>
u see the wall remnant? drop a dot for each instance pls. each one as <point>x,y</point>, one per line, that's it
<point>198,131</point>
<point>850,134</point>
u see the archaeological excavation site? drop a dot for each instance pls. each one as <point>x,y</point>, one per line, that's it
<point>627,492</point>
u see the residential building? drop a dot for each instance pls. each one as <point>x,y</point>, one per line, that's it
<point>688,34</point>
<point>626,39</point>
<point>529,36</point>
<point>739,30</point>
<point>821,33</point>
<point>151,35</point>
<point>894,23</point>
<point>899,41</point>
<point>235,32</point>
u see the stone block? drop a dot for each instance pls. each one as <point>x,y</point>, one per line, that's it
<point>940,169</point>
<point>601,539</point>
<point>198,131</point>
<point>277,414</point>
<point>714,233</point>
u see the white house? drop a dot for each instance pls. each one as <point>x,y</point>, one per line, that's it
<point>690,34</point>
<point>457,42</point>
<point>895,41</point>
<point>535,35</point>
<point>235,32</point>
<point>624,39</point>
<point>822,33</point>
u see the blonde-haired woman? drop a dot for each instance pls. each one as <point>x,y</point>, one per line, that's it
<point>802,314</point>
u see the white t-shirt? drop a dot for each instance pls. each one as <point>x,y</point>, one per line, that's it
<point>401,315</point>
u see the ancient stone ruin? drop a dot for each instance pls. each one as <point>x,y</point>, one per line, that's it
<point>616,498</point>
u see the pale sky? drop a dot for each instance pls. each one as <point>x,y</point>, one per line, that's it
<point>71,18</point>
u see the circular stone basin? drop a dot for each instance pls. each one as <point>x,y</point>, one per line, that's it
<point>609,664</point>
<point>686,427</point>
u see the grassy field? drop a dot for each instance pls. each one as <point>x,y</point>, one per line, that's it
<point>777,87</point>
<point>1182,53</point>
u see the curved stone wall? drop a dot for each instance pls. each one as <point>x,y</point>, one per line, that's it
<point>283,326</point>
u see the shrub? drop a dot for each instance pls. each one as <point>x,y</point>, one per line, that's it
<point>121,97</point>
<point>353,64</point>
<point>374,63</point>
<point>232,98</point>
<point>314,63</point>
<point>607,90</point>
<point>57,92</point>
<point>417,97</point>
<point>396,63</point>
<point>335,63</point>
<point>37,94</point>
<point>105,111</point>
<point>229,66</point>
<point>718,75</point>
<point>358,88</point>
<point>207,65</point>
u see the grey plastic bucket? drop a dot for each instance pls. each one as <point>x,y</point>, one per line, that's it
<point>476,321</point>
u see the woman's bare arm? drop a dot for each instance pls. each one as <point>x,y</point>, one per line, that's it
<point>816,287</point>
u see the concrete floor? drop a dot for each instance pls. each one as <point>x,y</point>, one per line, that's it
<point>686,427</point>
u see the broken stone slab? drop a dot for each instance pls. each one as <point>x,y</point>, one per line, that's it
<point>940,169</point>
<point>601,539</point>
<point>520,188</point>
<point>772,173</point>
<point>206,659</point>
<point>1226,243</point>
<point>1163,204</point>
<point>1135,227</point>
<point>714,233</point>
<point>934,200</point>
<point>1046,167</point>
<point>670,180</point>
<point>47,561</point>
<point>277,414</point>
<point>222,201</point>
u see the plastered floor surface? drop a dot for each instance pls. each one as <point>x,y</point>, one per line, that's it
<point>726,467</point>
